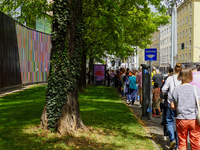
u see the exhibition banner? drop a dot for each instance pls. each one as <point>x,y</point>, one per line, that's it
<point>99,72</point>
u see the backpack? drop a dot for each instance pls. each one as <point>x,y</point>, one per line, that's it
<point>127,81</point>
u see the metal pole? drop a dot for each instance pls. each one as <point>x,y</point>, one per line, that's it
<point>159,52</point>
<point>172,50</point>
<point>175,34</point>
<point>137,61</point>
<point>150,102</point>
<point>128,62</point>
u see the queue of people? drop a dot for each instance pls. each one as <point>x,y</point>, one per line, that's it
<point>174,97</point>
<point>127,82</point>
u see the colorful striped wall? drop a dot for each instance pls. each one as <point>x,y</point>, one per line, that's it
<point>34,54</point>
<point>24,54</point>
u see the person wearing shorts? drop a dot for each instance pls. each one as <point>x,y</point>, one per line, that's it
<point>139,81</point>
<point>156,99</point>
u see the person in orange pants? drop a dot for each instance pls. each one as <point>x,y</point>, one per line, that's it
<point>185,102</point>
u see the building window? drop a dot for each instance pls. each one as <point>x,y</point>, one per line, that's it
<point>190,31</point>
<point>186,8</point>
<point>180,35</point>
<point>186,32</point>
<point>183,33</point>
<point>180,12</point>
<point>186,44</point>
<point>190,42</point>
<point>180,23</point>
<point>177,13</point>
<point>190,19</point>
<point>189,56</point>
<point>183,22</point>
<point>186,20</point>
<point>190,7</point>
<point>183,9</point>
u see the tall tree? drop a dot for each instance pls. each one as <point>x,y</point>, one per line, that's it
<point>61,111</point>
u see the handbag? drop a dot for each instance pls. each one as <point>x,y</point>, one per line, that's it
<point>198,114</point>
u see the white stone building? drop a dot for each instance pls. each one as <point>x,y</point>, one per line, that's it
<point>165,46</point>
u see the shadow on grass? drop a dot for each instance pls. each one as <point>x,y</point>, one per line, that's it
<point>102,108</point>
<point>23,110</point>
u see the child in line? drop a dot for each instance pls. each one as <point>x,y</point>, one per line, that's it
<point>156,99</point>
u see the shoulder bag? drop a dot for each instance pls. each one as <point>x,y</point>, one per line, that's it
<point>198,114</point>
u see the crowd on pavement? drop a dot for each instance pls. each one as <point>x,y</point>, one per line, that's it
<point>174,96</point>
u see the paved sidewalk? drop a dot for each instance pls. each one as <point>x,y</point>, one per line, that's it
<point>153,127</point>
<point>18,89</point>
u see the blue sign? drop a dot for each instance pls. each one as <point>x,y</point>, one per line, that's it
<point>145,71</point>
<point>150,54</point>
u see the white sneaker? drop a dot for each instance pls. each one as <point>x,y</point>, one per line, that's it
<point>165,138</point>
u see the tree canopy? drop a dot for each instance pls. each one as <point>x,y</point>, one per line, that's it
<point>95,27</point>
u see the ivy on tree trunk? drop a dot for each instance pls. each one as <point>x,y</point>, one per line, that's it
<point>61,112</point>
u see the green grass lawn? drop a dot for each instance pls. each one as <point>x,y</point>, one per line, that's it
<point>112,124</point>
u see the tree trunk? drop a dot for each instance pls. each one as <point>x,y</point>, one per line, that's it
<point>61,112</point>
<point>90,69</point>
<point>70,120</point>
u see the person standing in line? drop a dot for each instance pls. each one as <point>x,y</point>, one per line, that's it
<point>184,101</point>
<point>196,75</point>
<point>165,105</point>
<point>127,89</point>
<point>132,87</point>
<point>156,99</point>
<point>139,81</point>
<point>116,80</point>
<point>169,85</point>
<point>152,74</point>
<point>112,75</point>
<point>122,82</point>
<point>108,77</point>
<point>158,78</point>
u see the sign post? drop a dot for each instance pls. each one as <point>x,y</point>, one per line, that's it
<point>150,55</point>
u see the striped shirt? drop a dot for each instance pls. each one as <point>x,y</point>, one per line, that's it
<point>184,98</point>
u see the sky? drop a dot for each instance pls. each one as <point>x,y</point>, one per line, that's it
<point>153,9</point>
